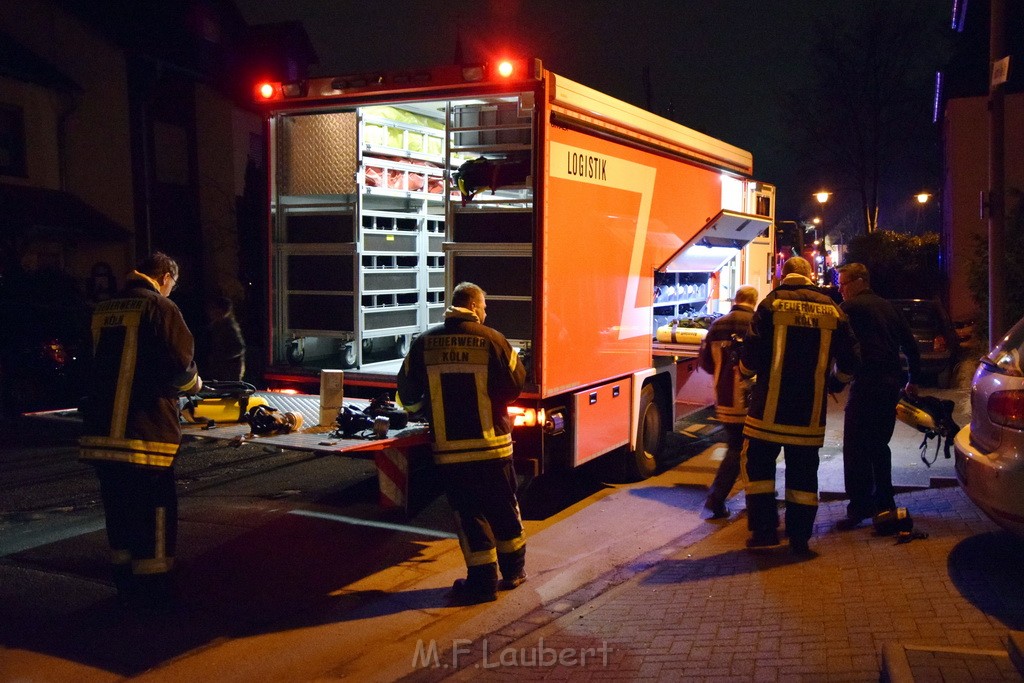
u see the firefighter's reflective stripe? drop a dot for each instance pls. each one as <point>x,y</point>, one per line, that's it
<point>793,338</point>
<point>490,445</point>
<point>512,545</point>
<point>718,356</point>
<point>756,487</point>
<point>774,385</point>
<point>844,377</point>
<point>160,563</point>
<point>127,314</point>
<point>736,410</point>
<point>435,373</point>
<point>730,414</point>
<point>802,497</point>
<point>410,407</point>
<point>188,386</point>
<point>463,374</point>
<point>135,451</point>
<point>473,450</point>
<point>478,557</point>
<point>797,435</point>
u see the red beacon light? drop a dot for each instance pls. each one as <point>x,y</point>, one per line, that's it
<point>505,68</point>
<point>265,90</point>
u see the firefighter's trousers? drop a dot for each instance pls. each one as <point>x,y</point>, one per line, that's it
<point>141,507</point>
<point>867,458</point>
<point>801,488</point>
<point>729,469</point>
<point>483,496</point>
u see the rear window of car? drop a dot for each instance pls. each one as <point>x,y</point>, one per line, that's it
<point>920,315</point>
<point>1008,352</point>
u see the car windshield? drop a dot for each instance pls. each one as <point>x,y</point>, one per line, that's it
<point>920,315</point>
<point>1006,355</point>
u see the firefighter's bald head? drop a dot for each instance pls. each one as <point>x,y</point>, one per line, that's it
<point>798,265</point>
<point>746,295</point>
<point>471,296</point>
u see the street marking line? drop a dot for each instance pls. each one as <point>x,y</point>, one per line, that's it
<point>372,523</point>
<point>34,538</point>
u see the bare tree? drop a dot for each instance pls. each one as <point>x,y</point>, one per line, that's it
<point>874,70</point>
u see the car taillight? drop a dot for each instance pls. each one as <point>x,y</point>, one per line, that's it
<point>1006,408</point>
<point>54,351</point>
<point>939,343</point>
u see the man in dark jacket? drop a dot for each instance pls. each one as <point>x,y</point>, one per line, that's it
<point>871,406</point>
<point>462,375</point>
<point>226,357</point>
<point>719,356</point>
<point>142,361</point>
<point>796,336</point>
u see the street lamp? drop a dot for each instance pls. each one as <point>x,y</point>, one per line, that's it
<point>922,199</point>
<point>822,197</point>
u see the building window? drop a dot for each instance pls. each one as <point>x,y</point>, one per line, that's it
<point>12,141</point>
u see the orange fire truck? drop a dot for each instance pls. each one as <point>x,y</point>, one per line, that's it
<point>589,222</point>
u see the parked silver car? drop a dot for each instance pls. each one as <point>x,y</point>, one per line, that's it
<point>990,451</point>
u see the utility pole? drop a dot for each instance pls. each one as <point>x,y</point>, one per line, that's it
<point>996,173</point>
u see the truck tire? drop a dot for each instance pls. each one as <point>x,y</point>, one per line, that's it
<point>641,462</point>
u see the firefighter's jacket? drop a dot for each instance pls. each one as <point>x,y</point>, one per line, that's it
<point>142,360</point>
<point>719,357</point>
<point>797,337</point>
<point>462,375</point>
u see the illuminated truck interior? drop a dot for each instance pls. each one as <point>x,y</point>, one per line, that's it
<point>360,240</point>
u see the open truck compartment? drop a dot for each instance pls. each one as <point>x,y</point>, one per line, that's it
<point>369,226</point>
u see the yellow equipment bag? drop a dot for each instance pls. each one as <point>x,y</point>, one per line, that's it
<point>674,334</point>
<point>221,402</point>
<point>221,409</point>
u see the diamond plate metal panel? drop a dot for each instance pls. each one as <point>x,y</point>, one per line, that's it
<point>307,406</point>
<point>318,154</point>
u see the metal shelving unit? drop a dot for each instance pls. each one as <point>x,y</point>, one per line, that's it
<point>490,238</point>
<point>370,233</point>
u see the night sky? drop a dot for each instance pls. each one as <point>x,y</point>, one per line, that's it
<point>717,66</point>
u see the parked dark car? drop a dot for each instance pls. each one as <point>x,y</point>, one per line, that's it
<point>936,337</point>
<point>44,344</point>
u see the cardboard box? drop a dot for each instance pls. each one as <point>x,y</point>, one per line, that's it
<point>332,395</point>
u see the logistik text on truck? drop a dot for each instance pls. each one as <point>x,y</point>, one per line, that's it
<point>589,222</point>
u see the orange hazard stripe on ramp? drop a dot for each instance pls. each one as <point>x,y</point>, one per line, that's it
<point>392,477</point>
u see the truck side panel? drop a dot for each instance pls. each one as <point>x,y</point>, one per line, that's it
<point>612,214</point>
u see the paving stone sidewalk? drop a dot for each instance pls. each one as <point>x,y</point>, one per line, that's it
<point>712,611</point>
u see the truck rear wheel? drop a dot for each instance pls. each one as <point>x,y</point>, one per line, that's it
<point>641,462</point>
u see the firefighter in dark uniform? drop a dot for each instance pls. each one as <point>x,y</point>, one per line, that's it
<point>462,375</point>
<point>719,355</point>
<point>871,406</point>
<point>796,335</point>
<point>142,361</point>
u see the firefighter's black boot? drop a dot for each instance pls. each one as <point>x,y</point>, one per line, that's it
<point>155,592</point>
<point>480,585</point>
<point>124,583</point>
